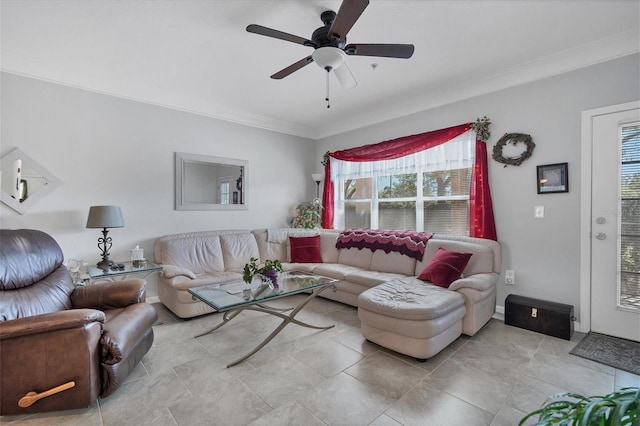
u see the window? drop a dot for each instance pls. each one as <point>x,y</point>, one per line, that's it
<point>629,249</point>
<point>427,192</point>
<point>224,190</point>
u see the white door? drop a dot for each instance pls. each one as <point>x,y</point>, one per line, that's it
<point>615,224</point>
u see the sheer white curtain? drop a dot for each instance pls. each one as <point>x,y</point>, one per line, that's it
<point>455,154</point>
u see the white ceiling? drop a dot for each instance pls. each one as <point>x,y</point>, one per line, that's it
<point>195,55</point>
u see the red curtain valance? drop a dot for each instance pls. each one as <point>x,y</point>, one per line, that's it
<point>400,147</point>
<point>481,221</point>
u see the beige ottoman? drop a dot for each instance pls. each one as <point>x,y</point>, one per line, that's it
<point>411,317</point>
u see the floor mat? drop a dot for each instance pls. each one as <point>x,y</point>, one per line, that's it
<point>612,351</point>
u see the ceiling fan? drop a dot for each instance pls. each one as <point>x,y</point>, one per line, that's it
<point>330,44</point>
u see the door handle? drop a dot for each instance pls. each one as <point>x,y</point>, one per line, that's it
<point>601,236</point>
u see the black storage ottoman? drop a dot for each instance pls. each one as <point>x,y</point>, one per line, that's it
<point>550,318</point>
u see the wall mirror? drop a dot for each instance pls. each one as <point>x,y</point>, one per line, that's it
<point>23,181</point>
<point>204,182</point>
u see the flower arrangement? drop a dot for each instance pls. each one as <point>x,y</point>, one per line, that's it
<point>270,269</point>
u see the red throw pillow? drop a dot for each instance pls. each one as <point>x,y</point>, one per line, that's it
<point>305,249</point>
<point>445,267</point>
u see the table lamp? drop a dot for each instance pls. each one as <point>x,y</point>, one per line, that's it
<point>317,177</point>
<point>105,217</point>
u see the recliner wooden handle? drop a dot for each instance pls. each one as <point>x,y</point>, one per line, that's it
<point>31,397</point>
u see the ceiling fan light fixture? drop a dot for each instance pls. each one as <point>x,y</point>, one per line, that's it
<point>331,57</point>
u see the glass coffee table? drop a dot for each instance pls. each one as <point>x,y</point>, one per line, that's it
<point>233,298</point>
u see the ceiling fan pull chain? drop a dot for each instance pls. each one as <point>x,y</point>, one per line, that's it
<point>327,96</point>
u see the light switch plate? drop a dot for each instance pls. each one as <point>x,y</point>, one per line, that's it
<point>510,277</point>
<point>538,212</point>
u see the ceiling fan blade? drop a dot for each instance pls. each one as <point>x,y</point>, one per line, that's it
<point>350,11</point>
<point>292,68</point>
<point>404,51</point>
<point>345,77</point>
<point>269,32</point>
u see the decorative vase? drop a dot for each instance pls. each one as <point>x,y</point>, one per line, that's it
<point>269,282</point>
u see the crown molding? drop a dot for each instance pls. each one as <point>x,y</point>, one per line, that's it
<point>616,46</point>
<point>216,112</point>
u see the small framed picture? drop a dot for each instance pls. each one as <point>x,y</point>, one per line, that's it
<point>553,178</point>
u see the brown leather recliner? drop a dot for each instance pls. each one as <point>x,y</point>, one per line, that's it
<point>63,346</point>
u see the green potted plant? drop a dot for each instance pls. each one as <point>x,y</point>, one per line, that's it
<point>308,215</point>
<point>619,408</point>
<point>269,271</point>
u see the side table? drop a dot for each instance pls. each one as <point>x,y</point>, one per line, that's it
<point>97,274</point>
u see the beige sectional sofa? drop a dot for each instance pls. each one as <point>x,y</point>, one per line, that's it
<point>217,257</point>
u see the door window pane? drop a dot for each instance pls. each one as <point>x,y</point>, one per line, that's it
<point>629,265</point>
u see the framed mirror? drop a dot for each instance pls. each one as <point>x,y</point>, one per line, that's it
<point>23,181</point>
<point>204,182</point>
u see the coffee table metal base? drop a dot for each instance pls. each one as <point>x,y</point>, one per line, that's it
<point>278,312</point>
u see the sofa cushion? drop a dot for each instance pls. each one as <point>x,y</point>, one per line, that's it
<point>26,257</point>
<point>328,246</point>
<point>370,278</point>
<point>360,258</point>
<point>305,249</point>
<point>334,270</point>
<point>445,267</point>
<point>269,250</point>
<point>50,294</point>
<point>199,253</point>
<point>202,280</point>
<point>410,299</point>
<point>238,249</point>
<point>305,267</point>
<point>392,262</point>
<point>480,262</point>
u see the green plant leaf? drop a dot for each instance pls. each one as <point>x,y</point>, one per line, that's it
<point>591,414</point>
<point>619,408</point>
<point>618,413</point>
<point>528,416</point>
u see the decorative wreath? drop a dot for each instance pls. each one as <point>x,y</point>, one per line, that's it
<point>514,138</point>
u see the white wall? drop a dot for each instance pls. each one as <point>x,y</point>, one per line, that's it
<point>544,253</point>
<point>113,151</point>
<point>108,150</point>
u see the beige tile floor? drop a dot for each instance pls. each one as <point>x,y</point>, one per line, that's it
<point>334,377</point>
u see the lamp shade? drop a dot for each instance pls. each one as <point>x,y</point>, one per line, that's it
<point>328,56</point>
<point>105,217</point>
<point>317,177</point>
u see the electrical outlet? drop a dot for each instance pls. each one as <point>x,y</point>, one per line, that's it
<point>534,312</point>
<point>510,277</point>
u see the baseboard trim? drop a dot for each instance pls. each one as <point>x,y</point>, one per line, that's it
<point>499,315</point>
